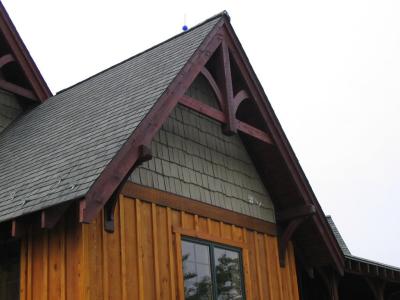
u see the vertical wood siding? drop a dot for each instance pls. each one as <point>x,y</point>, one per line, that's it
<point>139,260</point>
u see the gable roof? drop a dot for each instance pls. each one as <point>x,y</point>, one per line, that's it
<point>55,153</point>
<point>38,90</point>
<point>83,142</point>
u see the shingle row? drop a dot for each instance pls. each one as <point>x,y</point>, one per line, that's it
<point>55,152</point>
<point>194,159</point>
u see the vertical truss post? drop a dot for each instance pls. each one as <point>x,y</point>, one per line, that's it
<point>227,88</point>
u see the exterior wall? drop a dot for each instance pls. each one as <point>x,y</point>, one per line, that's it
<point>52,262</point>
<point>140,260</point>
<point>193,158</point>
<point>10,109</point>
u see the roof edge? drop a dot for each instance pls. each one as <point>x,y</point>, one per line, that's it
<point>223,14</point>
<point>22,55</point>
<point>293,163</point>
<point>123,163</point>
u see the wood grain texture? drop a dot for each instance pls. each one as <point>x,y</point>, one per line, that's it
<point>142,258</point>
<point>184,204</point>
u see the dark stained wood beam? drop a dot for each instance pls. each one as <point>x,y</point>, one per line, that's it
<point>284,238</point>
<point>109,212</point>
<point>51,216</point>
<point>203,108</point>
<point>254,132</point>
<point>371,270</point>
<point>22,56</point>
<point>121,164</point>
<point>136,191</point>
<point>231,127</point>
<point>296,212</point>
<point>331,282</point>
<point>109,208</point>
<point>18,90</point>
<point>18,228</point>
<point>145,155</point>
<point>214,86</point>
<point>6,59</point>
<point>219,116</point>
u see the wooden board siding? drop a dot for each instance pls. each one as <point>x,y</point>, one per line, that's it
<point>139,260</point>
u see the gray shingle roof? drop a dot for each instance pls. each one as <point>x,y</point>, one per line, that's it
<point>56,152</point>
<point>338,236</point>
<point>347,252</point>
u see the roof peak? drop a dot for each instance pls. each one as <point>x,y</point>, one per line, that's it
<point>222,14</point>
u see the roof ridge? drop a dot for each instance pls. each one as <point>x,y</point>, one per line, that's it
<point>222,14</point>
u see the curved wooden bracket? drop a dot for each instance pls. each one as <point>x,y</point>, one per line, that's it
<point>239,98</point>
<point>213,85</point>
<point>6,59</point>
<point>143,154</point>
<point>295,217</point>
<point>109,212</point>
<point>284,239</point>
<point>109,207</point>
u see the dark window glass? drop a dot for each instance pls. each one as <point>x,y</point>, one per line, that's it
<point>211,271</point>
<point>228,274</point>
<point>9,270</point>
<point>196,270</point>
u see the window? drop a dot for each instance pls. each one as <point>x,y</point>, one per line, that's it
<point>211,271</point>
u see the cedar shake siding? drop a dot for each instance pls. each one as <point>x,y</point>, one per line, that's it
<point>194,159</point>
<point>10,109</point>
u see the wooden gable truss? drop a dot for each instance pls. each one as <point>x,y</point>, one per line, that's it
<point>263,135</point>
<point>18,72</point>
<point>243,109</point>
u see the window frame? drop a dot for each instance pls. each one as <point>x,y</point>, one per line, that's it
<point>196,236</point>
<point>212,245</point>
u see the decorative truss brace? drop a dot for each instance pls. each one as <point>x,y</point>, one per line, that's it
<point>109,208</point>
<point>228,102</point>
<point>124,162</point>
<point>12,87</point>
<point>293,218</point>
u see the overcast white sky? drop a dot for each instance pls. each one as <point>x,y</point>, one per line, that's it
<point>331,70</point>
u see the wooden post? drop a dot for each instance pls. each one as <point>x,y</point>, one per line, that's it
<point>331,281</point>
